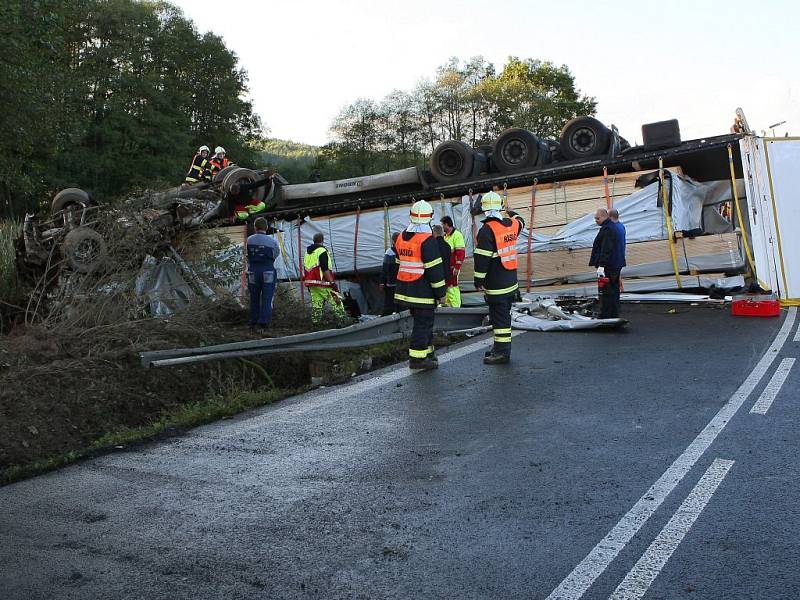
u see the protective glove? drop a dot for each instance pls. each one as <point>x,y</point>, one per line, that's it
<point>601,272</point>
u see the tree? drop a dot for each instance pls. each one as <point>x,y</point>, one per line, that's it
<point>466,101</point>
<point>533,95</point>
<point>110,94</point>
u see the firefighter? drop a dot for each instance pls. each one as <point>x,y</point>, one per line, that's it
<point>496,272</point>
<point>455,240</point>
<point>218,161</point>
<point>199,169</point>
<point>320,280</point>
<point>245,199</point>
<point>420,283</point>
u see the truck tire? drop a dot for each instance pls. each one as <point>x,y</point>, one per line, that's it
<point>452,160</point>
<point>69,196</point>
<point>583,137</point>
<point>515,149</point>
<point>220,175</point>
<point>85,250</point>
<point>241,175</point>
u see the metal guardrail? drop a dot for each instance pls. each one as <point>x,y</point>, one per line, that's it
<point>375,331</point>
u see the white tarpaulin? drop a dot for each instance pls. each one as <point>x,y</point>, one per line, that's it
<point>357,242</point>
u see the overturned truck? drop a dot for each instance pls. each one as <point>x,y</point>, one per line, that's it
<point>694,209</point>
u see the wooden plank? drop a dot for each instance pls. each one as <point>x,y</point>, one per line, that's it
<point>562,264</point>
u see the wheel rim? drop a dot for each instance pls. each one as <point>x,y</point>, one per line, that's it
<point>515,152</point>
<point>86,252</point>
<point>583,140</point>
<point>450,162</point>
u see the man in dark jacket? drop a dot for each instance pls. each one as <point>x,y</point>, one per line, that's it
<point>389,277</point>
<point>608,259</point>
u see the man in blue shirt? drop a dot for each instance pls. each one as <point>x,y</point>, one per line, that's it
<point>262,250</point>
<point>613,215</point>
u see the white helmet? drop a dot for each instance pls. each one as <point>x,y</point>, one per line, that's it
<point>491,201</point>
<point>206,148</point>
<point>421,212</point>
<point>219,150</point>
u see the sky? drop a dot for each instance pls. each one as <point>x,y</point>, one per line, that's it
<point>695,61</point>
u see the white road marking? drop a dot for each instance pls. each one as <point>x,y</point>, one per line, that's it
<point>797,334</point>
<point>339,393</point>
<point>773,387</point>
<point>648,567</point>
<point>581,578</point>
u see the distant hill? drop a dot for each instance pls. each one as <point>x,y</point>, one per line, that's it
<point>293,160</point>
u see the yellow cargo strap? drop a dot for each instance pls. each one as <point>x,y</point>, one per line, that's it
<point>738,207</point>
<point>668,218</point>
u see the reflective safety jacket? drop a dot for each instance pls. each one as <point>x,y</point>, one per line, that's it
<point>496,256</point>
<point>199,169</point>
<point>215,165</point>
<point>315,264</point>
<point>420,275</point>
<point>457,255</point>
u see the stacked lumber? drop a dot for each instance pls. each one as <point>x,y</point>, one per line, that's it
<point>562,266</point>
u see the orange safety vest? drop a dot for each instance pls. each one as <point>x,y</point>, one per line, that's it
<point>505,238</point>
<point>409,253</point>
<point>217,165</point>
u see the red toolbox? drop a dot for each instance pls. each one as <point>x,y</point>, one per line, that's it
<point>755,306</point>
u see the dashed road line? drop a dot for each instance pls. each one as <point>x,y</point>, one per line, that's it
<point>581,578</point>
<point>648,567</point>
<point>773,387</point>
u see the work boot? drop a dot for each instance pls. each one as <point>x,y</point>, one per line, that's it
<point>422,364</point>
<point>432,356</point>
<point>497,359</point>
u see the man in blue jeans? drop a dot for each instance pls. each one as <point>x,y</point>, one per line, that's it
<point>262,250</point>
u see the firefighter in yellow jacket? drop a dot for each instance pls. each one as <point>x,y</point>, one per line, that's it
<point>320,280</point>
<point>420,283</point>
<point>496,272</point>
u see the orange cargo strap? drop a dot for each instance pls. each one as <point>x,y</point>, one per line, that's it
<point>300,267</point>
<point>605,183</point>
<point>529,276</point>
<point>505,238</point>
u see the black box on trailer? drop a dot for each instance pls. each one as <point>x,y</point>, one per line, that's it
<point>663,134</point>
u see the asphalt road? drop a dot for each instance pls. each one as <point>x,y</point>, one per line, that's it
<point>596,465</point>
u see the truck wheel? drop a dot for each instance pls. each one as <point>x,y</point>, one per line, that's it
<point>220,175</point>
<point>452,160</point>
<point>515,149</point>
<point>583,137</point>
<point>85,250</point>
<point>69,196</point>
<point>241,175</point>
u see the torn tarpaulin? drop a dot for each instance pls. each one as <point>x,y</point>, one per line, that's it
<point>545,315</point>
<point>161,286</point>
